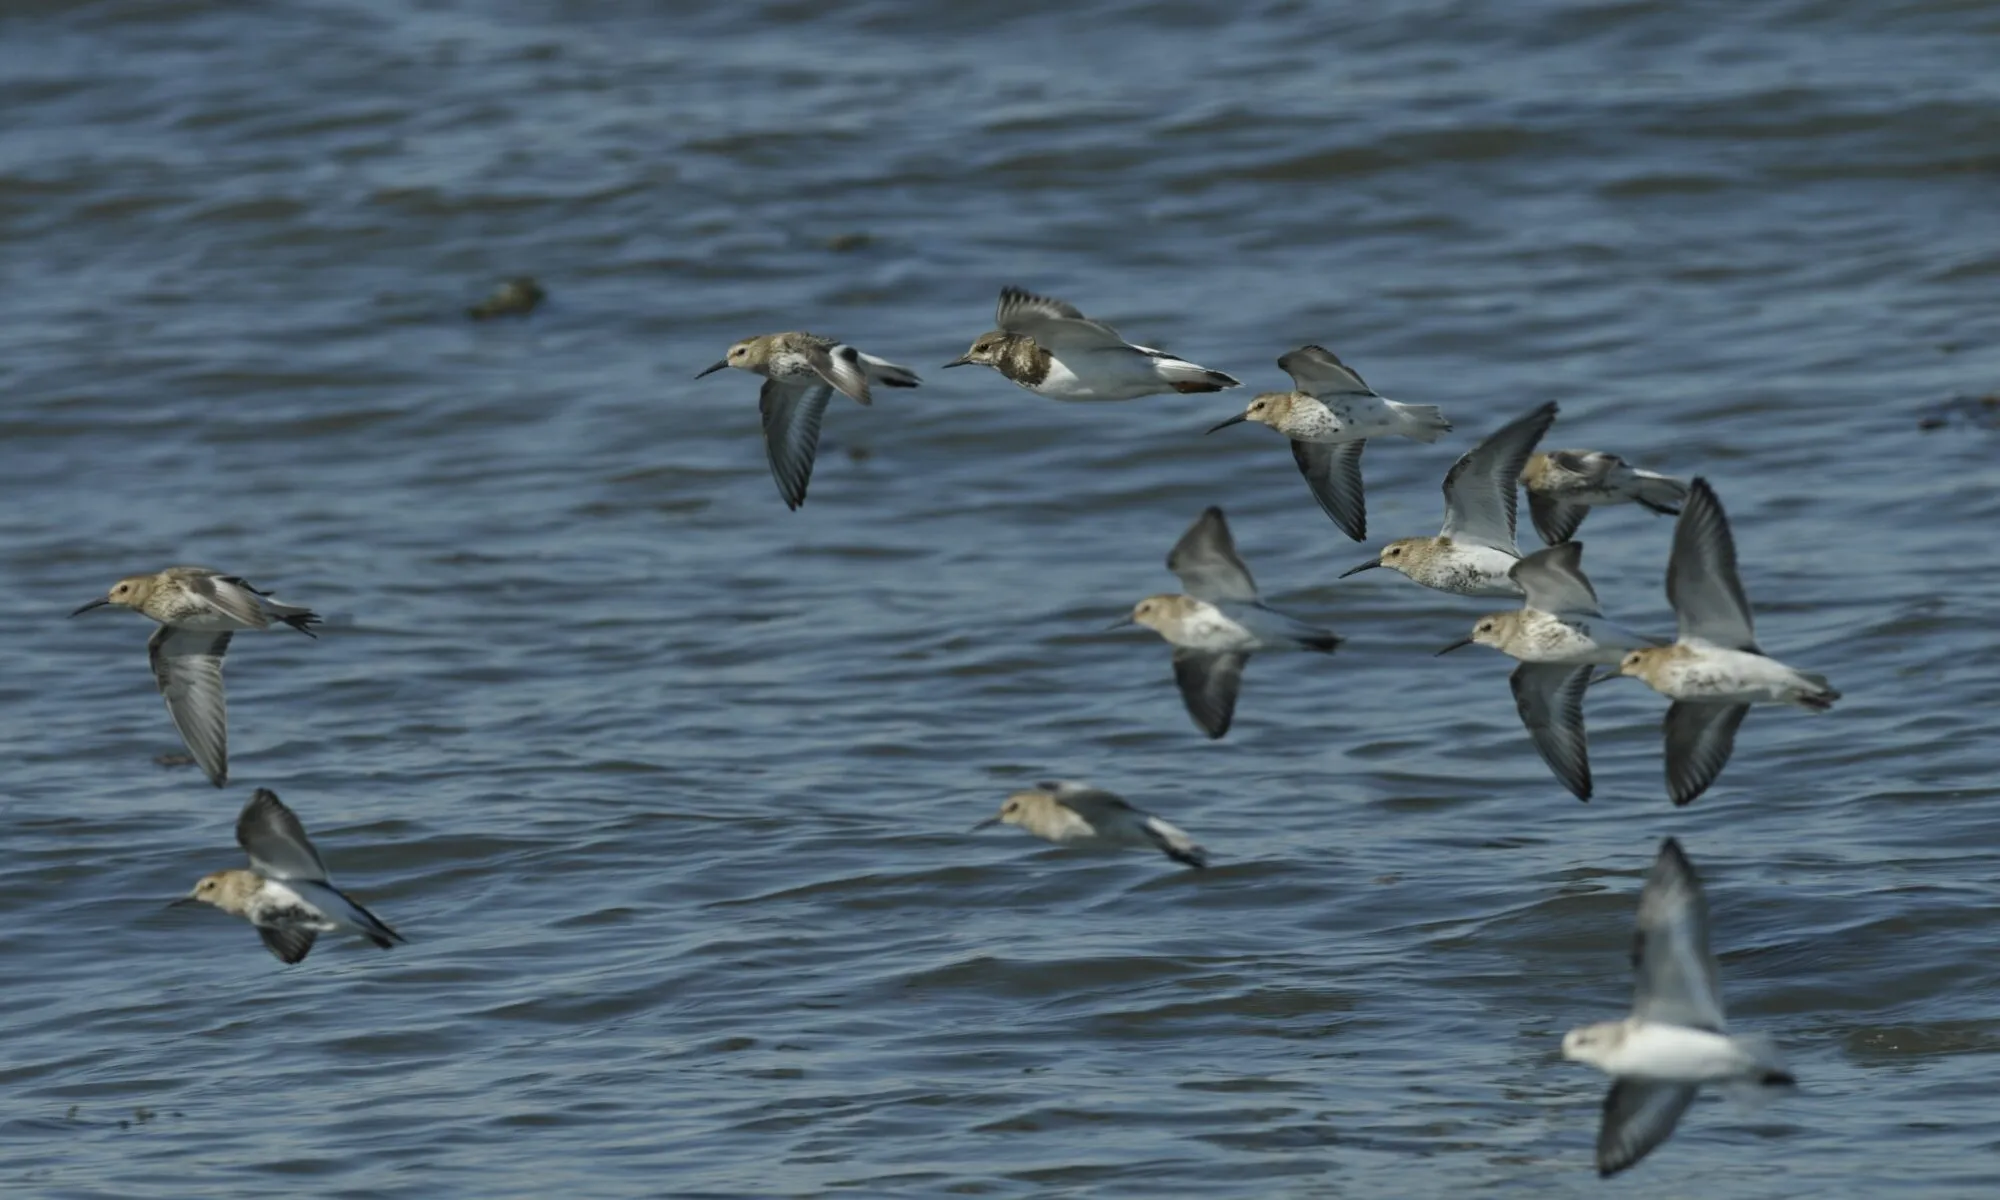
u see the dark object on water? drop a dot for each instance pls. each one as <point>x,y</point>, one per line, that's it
<point>1981,411</point>
<point>173,760</point>
<point>514,298</point>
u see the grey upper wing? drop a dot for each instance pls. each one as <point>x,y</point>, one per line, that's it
<point>1334,475</point>
<point>276,842</point>
<point>1675,973</point>
<point>1700,737</point>
<point>1053,324</point>
<point>1638,1115</point>
<point>792,413</point>
<point>187,667</point>
<point>1479,490</point>
<point>1092,804</point>
<point>1553,581</point>
<point>1555,520</point>
<point>1317,371</point>
<point>1208,684</point>
<point>233,597</point>
<point>1549,697</point>
<point>1702,583</point>
<point>1206,560</point>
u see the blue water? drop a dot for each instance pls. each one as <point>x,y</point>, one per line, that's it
<point>669,787</point>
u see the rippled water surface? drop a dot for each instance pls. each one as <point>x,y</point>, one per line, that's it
<point>669,787</point>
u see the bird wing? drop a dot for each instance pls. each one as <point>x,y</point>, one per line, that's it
<point>276,842</point>
<point>792,413</point>
<point>187,666</point>
<point>1479,490</point>
<point>1206,560</point>
<point>1702,583</point>
<point>1638,1115</point>
<point>1674,969</point>
<point>288,942</point>
<point>1317,371</point>
<point>840,365</point>
<point>1054,325</point>
<point>1334,475</point>
<point>1208,684</point>
<point>1700,738</point>
<point>1549,697</point>
<point>231,596</point>
<point>1553,581</point>
<point>1555,520</point>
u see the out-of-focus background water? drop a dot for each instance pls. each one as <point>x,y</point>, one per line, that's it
<point>669,787</point>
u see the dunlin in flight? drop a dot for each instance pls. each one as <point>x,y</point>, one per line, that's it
<point>286,893</point>
<point>1676,1039</point>
<point>1218,623</point>
<point>801,372</point>
<point>1076,814</point>
<point>1564,485</point>
<point>198,611</point>
<point>1329,414</point>
<point>1475,550</point>
<point>1714,672</point>
<point>1558,635</point>
<point>1051,349</point>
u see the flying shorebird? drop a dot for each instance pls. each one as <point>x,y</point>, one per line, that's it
<point>1218,623</point>
<point>286,893</point>
<point>801,372</point>
<point>1329,414</point>
<point>1558,635</point>
<point>1714,672</point>
<point>1053,350</point>
<point>1078,815</point>
<point>1676,1039</point>
<point>1564,485</point>
<point>1475,550</point>
<point>198,610</point>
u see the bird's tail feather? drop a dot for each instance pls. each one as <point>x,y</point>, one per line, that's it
<point>1423,422</point>
<point>1176,844</point>
<point>1663,494</point>
<point>888,374</point>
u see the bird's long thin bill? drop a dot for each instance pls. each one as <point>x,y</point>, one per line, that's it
<point>712,370</point>
<point>1370,565</point>
<point>182,902</point>
<point>1607,677</point>
<point>1457,645</point>
<point>988,823</point>
<point>100,602</point>
<point>1238,419</point>
<point>961,361</point>
<point>1120,623</point>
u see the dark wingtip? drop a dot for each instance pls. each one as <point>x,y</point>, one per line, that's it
<point>1778,1079</point>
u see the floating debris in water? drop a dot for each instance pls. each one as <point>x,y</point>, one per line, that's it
<point>1983,411</point>
<point>514,298</point>
<point>841,243</point>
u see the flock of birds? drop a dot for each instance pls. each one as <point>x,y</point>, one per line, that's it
<point>1713,671</point>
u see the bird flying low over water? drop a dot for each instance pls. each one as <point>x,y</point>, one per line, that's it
<point>198,611</point>
<point>1714,671</point>
<point>286,893</point>
<point>1676,1038</point>
<point>1564,485</point>
<point>1081,816</point>
<point>801,372</point>
<point>1558,635</point>
<point>1329,414</point>
<point>1053,350</point>
<point>1218,623</point>
<point>1474,551</point>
